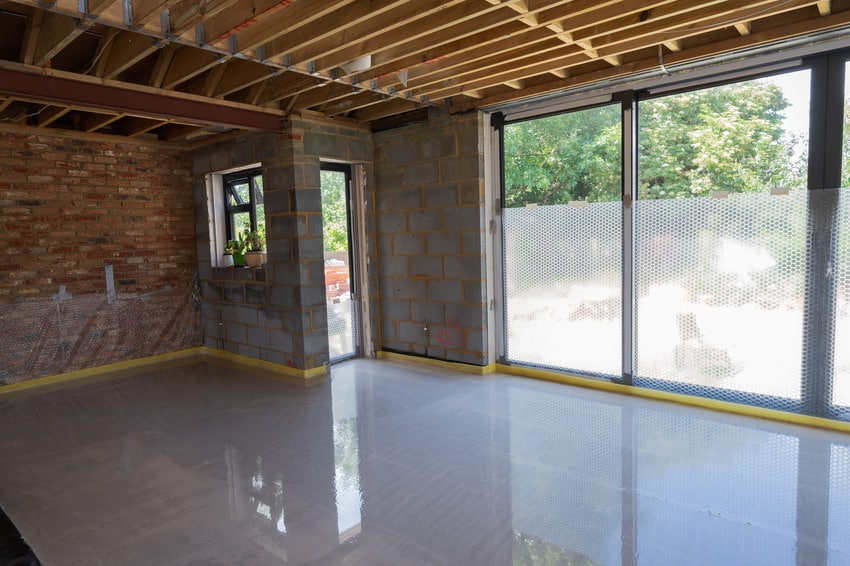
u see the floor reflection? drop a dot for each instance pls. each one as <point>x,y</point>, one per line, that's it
<point>395,464</point>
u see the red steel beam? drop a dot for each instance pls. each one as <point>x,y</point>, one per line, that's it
<point>93,95</point>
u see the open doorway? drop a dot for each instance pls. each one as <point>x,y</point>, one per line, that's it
<point>341,288</point>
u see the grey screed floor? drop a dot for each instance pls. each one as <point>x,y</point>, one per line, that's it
<point>392,464</point>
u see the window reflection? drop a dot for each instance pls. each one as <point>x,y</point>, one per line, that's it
<point>349,499</point>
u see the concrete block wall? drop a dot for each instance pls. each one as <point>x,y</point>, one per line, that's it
<point>277,313</point>
<point>69,207</point>
<point>429,238</point>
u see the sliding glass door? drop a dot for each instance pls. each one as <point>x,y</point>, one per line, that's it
<point>562,232</point>
<point>721,222</point>
<point>724,273</point>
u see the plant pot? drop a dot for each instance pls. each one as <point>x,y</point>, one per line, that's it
<point>227,260</point>
<point>255,259</point>
<point>238,259</point>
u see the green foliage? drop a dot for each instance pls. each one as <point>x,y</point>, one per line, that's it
<point>727,138</point>
<point>255,241</point>
<point>334,211</point>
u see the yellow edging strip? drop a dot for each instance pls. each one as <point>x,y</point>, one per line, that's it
<point>600,385</point>
<point>456,366</point>
<point>90,373</point>
<point>713,404</point>
<point>263,364</point>
<point>139,364</point>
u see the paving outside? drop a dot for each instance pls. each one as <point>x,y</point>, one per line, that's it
<point>749,348</point>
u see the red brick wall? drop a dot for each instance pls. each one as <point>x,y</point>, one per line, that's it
<point>69,207</point>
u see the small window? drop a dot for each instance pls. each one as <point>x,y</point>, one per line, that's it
<point>243,198</point>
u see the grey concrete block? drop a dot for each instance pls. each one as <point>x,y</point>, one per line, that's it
<point>269,317</point>
<point>280,340</point>
<point>242,274</point>
<point>423,173</point>
<point>427,312</point>
<point>257,294</point>
<point>213,328</point>
<point>317,273</point>
<point>389,329</point>
<point>232,347</point>
<point>442,243</point>
<point>314,225</point>
<point>233,292</point>
<point>307,200</point>
<point>393,265</point>
<point>438,146</point>
<point>235,332</point>
<point>409,288</point>
<point>309,249</point>
<point>468,138</point>
<point>469,316</point>
<point>463,267</point>
<point>227,312</point>
<point>211,291</point>
<point>258,336</point>
<point>401,153</point>
<point>272,356</point>
<point>290,273</point>
<point>441,196</point>
<point>429,220</point>
<point>473,291</point>
<point>220,159</point>
<point>387,287</point>
<point>455,168</point>
<point>310,296</point>
<point>406,198</point>
<point>476,340</point>
<point>462,218</point>
<point>413,332</point>
<point>385,245</point>
<point>319,316</point>
<point>445,290</point>
<point>297,320</point>
<point>471,192</point>
<point>282,295</point>
<point>211,342</point>
<point>360,150</point>
<point>473,243</point>
<point>201,162</point>
<point>242,154</point>
<point>389,177</point>
<point>315,342</point>
<point>324,145</point>
<point>281,178</point>
<point>265,147</point>
<point>392,222</point>
<point>249,351</point>
<point>383,200</point>
<point>276,202</point>
<point>426,266</point>
<point>246,314</point>
<point>408,244</point>
<point>466,357</point>
<point>395,309</point>
<point>313,175</point>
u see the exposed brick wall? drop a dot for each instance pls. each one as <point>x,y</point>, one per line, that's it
<point>69,207</point>
<point>429,231</point>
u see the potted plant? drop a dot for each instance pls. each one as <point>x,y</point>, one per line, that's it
<point>256,246</point>
<point>237,249</point>
<point>227,256</point>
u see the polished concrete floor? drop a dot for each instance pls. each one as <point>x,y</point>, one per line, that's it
<point>395,464</point>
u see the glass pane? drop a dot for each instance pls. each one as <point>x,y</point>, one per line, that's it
<point>342,315</point>
<point>741,137</point>
<point>259,203</point>
<point>841,351</point>
<point>239,194</point>
<point>241,221</point>
<point>714,493</point>
<point>562,231</point>
<point>720,275</point>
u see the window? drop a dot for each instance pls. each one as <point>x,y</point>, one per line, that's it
<point>243,198</point>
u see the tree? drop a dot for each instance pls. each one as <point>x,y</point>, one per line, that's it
<point>726,138</point>
<point>334,211</point>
